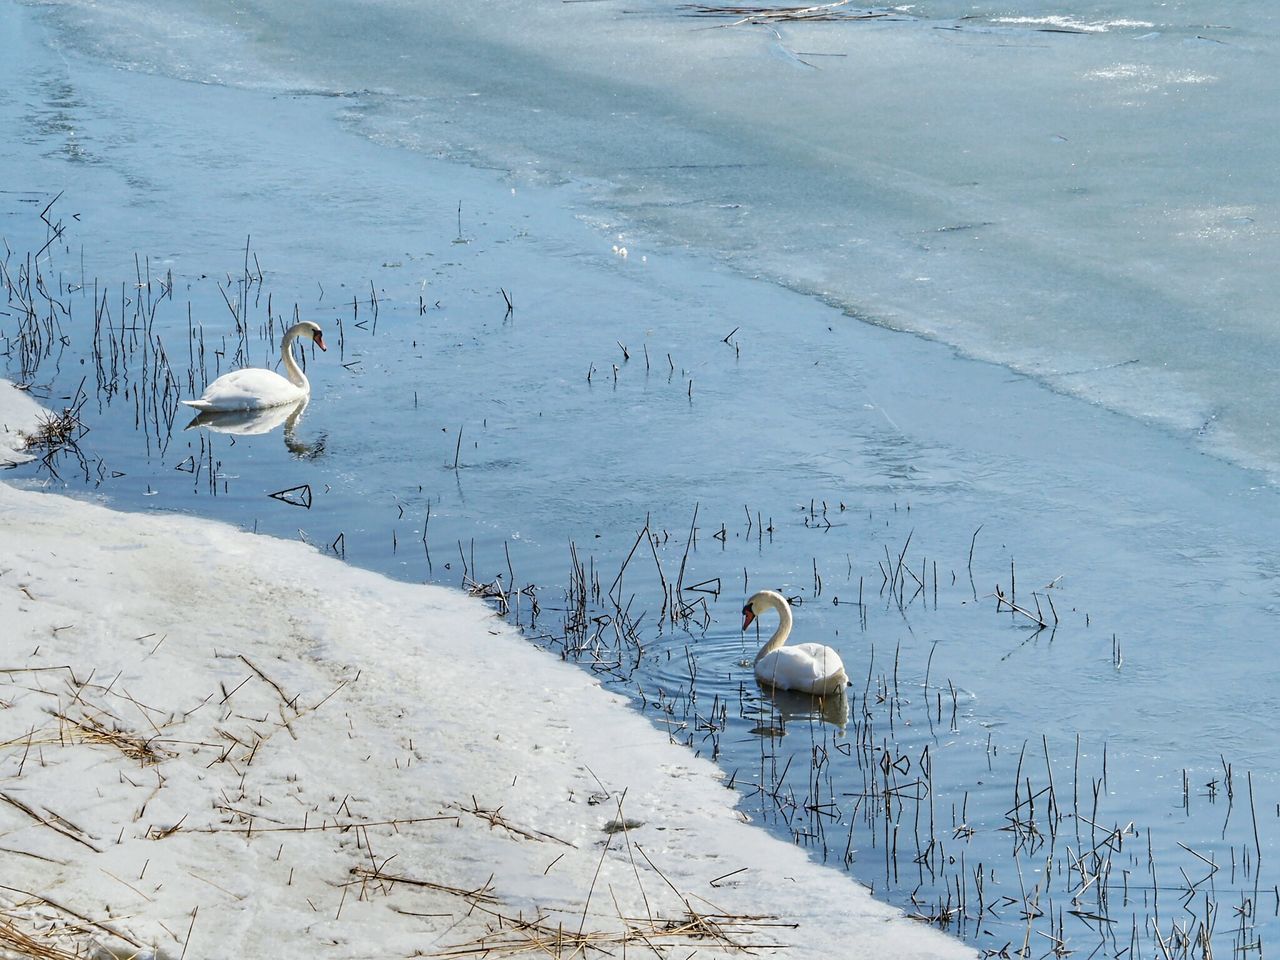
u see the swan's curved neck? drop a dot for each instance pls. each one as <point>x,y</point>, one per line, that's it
<point>784,624</point>
<point>291,368</point>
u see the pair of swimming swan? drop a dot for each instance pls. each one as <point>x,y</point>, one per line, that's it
<point>255,388</point>
<point>803,667</point>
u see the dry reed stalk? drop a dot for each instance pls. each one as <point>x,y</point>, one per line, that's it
<point>476,896</point>
<point>37,945</point>
<point>141,749</point>
<point>1007,601</point>
<point>70,830</point>
<point>510,936</point>
<point>340,826</point>
<point>495,819</point>
<point>78,925</point>
<point>56,430</point>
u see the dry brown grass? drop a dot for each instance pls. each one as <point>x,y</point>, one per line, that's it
<point>56,430</point>
<point>748,13</point>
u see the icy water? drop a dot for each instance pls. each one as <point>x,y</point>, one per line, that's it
<point>1096,784</point>
<point>1080,192</point>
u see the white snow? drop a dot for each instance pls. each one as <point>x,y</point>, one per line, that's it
<point>213,742</point>
<point>19,415</point>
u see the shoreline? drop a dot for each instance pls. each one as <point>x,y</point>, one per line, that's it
<point>847,411</point>
<point>234,740</point>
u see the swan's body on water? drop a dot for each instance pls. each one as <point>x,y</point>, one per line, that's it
<point>804,667</point>
<point>255,388</point>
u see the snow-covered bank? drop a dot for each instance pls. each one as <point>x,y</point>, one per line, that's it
<point>19,416</point>
<point>220,742</point>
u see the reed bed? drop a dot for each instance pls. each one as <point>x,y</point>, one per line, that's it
<point>1096,888</point>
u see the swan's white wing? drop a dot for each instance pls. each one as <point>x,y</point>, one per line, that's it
<point>250,389</point>
<point>807,667</point>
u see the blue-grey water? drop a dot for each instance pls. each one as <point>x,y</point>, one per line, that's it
<point>900,309</point>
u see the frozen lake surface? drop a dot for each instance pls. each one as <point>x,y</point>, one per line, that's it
<point>689,269</point>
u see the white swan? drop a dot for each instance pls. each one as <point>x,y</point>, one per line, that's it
<point>255,388</point>
<point>805,667</point>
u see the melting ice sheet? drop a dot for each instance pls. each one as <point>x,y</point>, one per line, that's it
<point>1078,192</point>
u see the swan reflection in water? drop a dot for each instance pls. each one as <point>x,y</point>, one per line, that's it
<point>792,706</point>
<point>247,423</point>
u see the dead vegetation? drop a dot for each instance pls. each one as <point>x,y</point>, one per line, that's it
<point>134,751</point>
<point>56,430</point>
<point>748,13</point>
<point>33,927</point>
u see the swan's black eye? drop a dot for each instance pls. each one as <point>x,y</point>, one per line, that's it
<point>747,609</point>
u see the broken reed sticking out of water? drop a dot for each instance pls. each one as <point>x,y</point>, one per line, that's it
<point>59,434</point>
<point>128,356</point>
<point>59,429</point>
